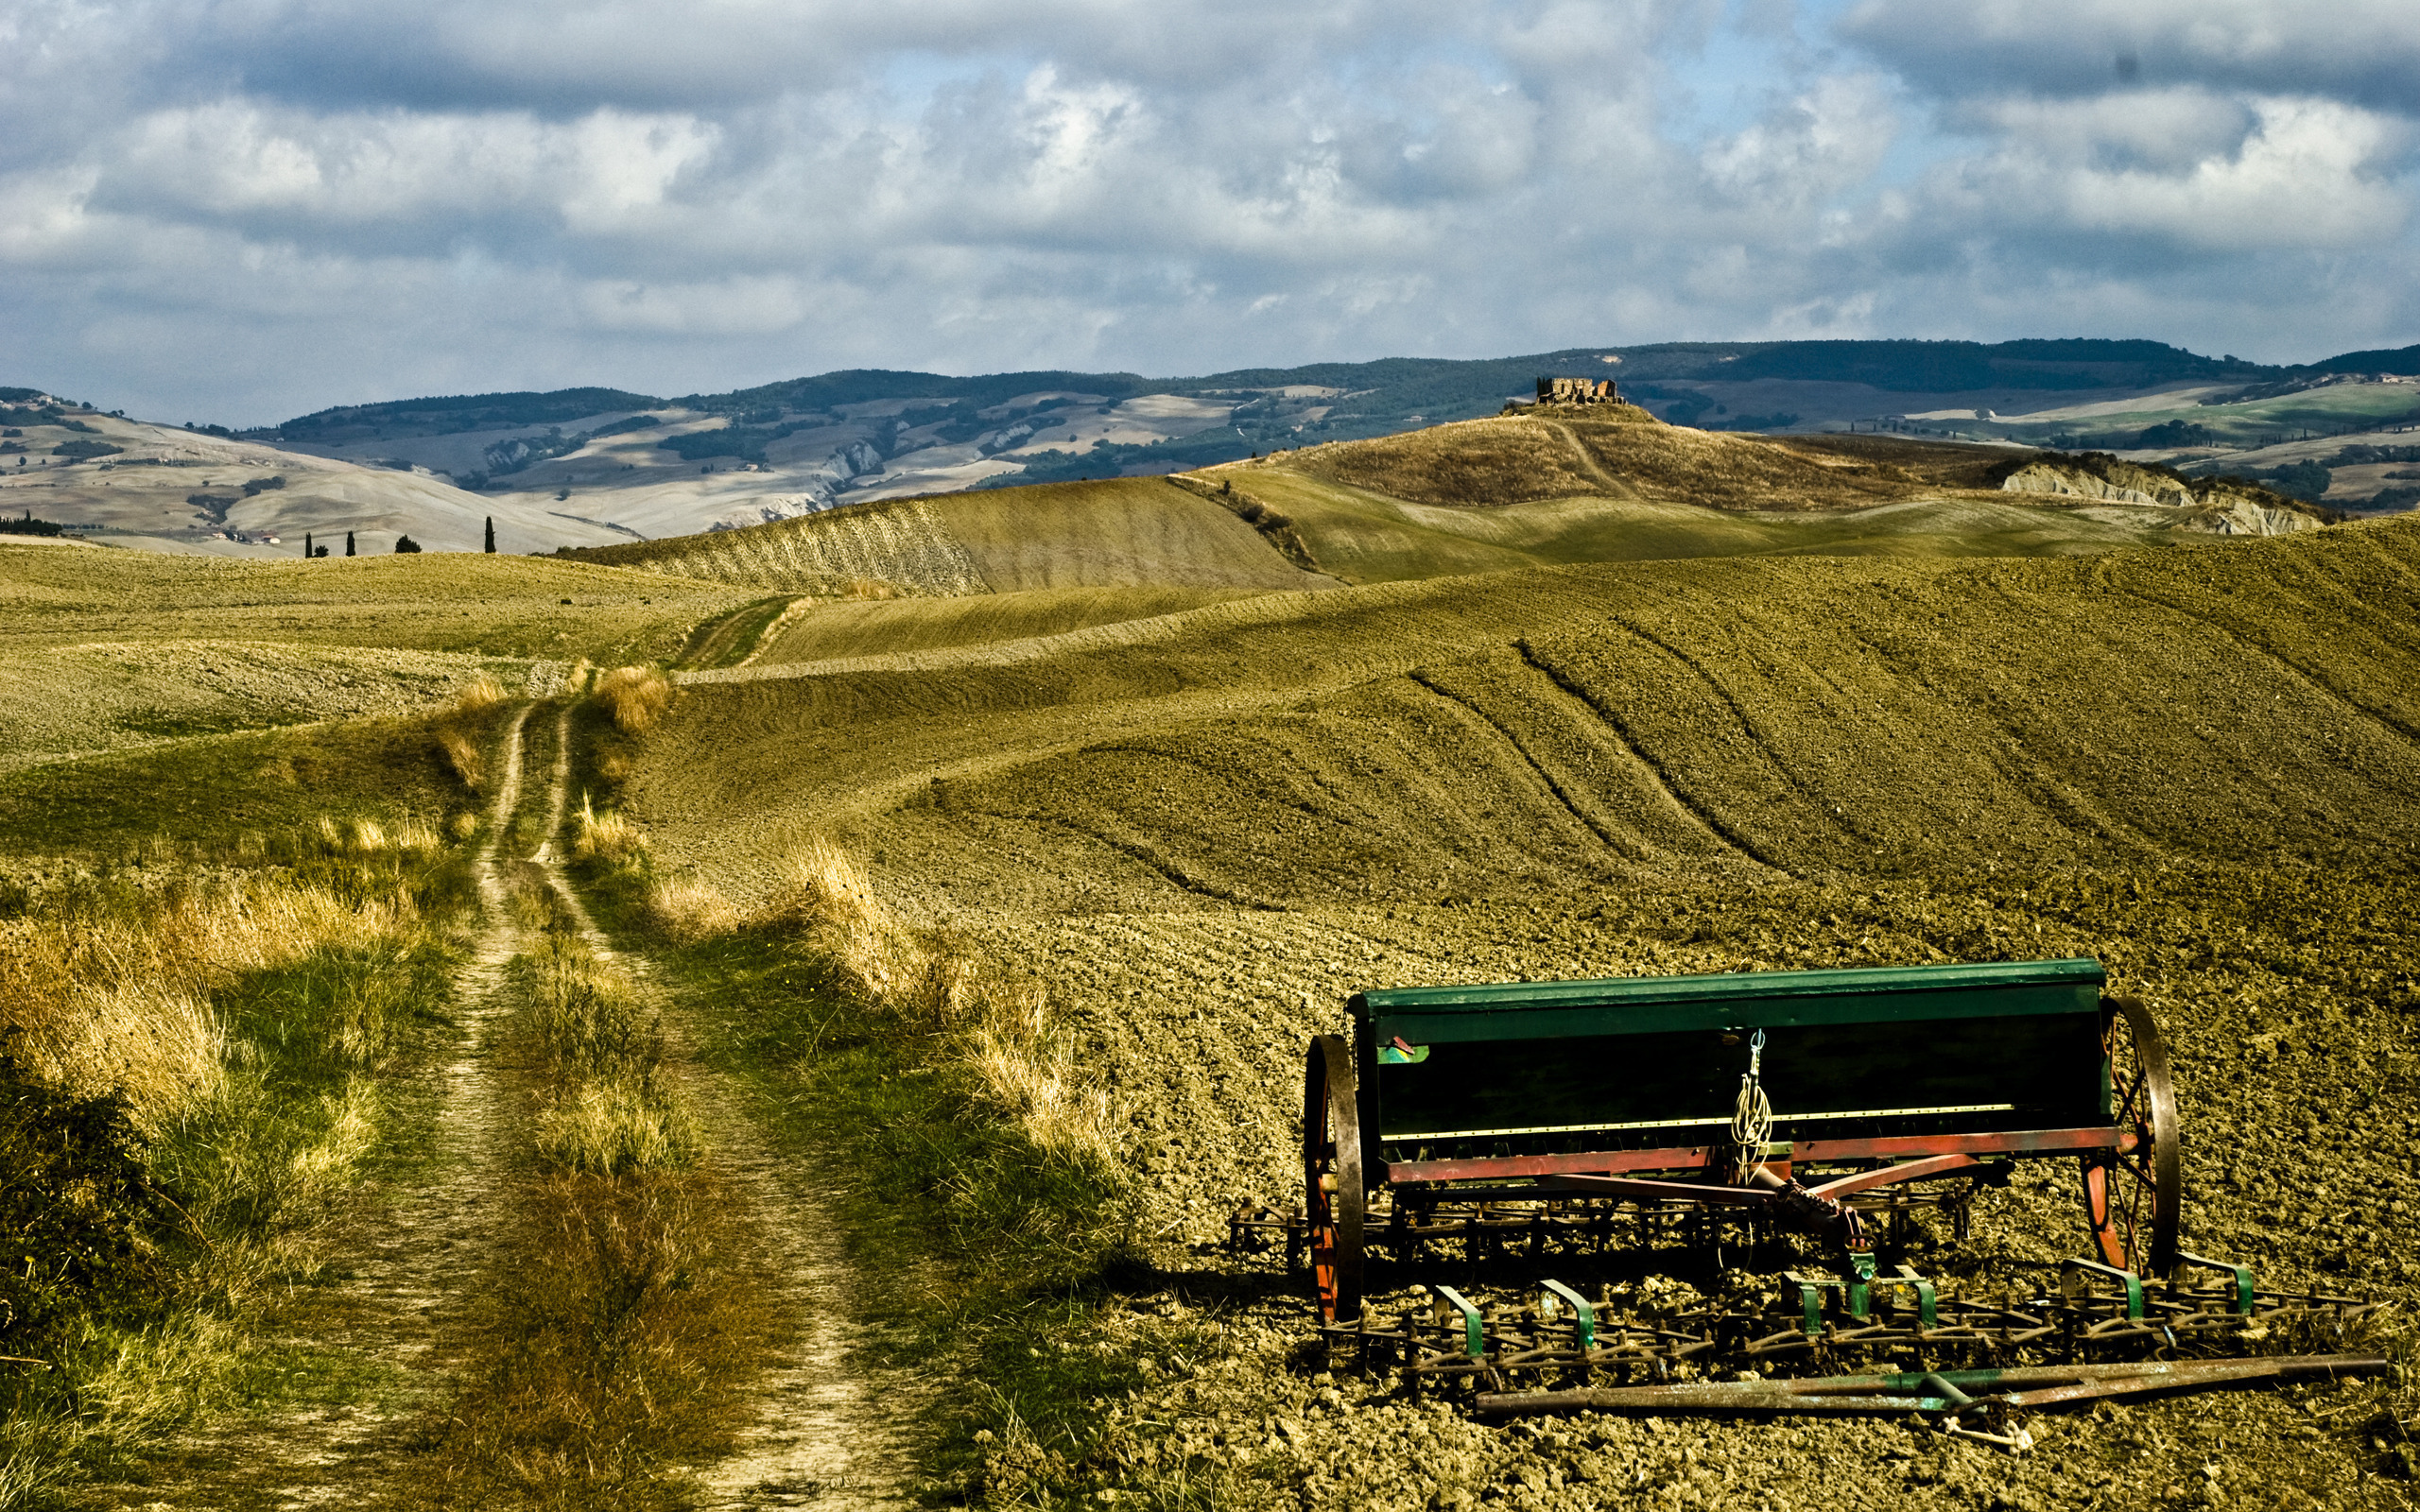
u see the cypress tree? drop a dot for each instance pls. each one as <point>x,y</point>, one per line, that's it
<point>307,545</point>
<point>491,535</point>
<point>348,542</point>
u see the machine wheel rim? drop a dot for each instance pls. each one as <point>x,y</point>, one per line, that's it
<point>1332,1159</point>
<point>2133,1197</point>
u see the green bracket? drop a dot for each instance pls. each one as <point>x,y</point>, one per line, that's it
<point>1584,1316</point>
<point>1476,1332</point>
<point>2245,1283</point>
<point>2072,1279</point>
<point>1861,1302</point>
<point>1810,1296</point>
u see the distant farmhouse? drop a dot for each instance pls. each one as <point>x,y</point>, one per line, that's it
<point>1577,391</point>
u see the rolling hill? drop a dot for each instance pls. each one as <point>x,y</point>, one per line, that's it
<point>158,487</point>
<point>1537,487</point>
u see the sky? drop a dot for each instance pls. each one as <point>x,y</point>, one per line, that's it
<point>238,210</point>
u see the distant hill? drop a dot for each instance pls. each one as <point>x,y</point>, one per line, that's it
<point>604,462</point>
<point>1549,486</point>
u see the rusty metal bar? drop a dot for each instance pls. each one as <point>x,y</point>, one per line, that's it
<point>1904,1171</point>
<point>1616,1186</point>
<point>1698,1157</point>
<point>1883,1395</point>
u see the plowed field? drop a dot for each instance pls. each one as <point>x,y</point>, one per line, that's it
<point>1205,830</point>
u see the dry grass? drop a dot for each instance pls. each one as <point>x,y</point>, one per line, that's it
<point>249,1023</point>
<point>612,1125</point>
<point>109,993</point>
<point>1020,1064</point>
<point>688,911</point>
<point>479,692</point>
<point>605,1111</point>
<point>867,589</point>
<point>607,837</point>
<point>637,697</point>
<point>622,1337</point>
<point>457,728</point>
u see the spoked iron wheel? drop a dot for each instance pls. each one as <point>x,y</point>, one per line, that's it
<point>2133,1195</point>
<point>1332,1190</point>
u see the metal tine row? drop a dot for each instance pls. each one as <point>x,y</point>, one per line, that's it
<point>1443,1337</point>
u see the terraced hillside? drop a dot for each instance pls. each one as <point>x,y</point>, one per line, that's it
<point>1532,489</point>
<point>1132,532</point>
<point>1204,830</point>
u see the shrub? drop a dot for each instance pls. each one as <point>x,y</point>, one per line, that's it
<point>406,546</point>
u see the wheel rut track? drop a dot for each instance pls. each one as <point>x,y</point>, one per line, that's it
<point>818,1436</point>
<point>820,1433</point>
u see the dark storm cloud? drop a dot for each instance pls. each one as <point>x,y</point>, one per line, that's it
<point>277,204</point>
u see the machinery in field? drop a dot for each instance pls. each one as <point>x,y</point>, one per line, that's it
<point>1545,1122</point>
<point>1827,1102</point>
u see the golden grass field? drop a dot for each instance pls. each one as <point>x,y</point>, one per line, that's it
<point>1684,704</point>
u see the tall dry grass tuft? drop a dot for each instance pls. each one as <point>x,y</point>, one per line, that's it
<point>688,911</point>
<point>613,1126</point>
<point>608,837</point>
<point>864,589</point>
<point>608,1112</point>
<point>479,692</point>
<point>636,696</point>
<point>824,891</point>
<point>1022,1066</point>
<point>457,728</point>
<point>108,992</point>
<point>1028,1073</point>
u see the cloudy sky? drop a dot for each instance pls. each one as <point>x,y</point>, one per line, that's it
<point>241,209</point>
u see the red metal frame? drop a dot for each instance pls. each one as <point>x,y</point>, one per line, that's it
<point>1700,1156</point>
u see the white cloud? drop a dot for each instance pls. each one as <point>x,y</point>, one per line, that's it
<point>263,206</point>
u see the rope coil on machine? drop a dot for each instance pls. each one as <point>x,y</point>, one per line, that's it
<point>1752,1116</point>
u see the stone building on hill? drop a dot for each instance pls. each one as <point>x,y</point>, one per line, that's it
<point>1577,391</point>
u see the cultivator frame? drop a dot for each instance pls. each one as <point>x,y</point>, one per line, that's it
<point>1552,1338</point>
<point>1530,1113</point>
